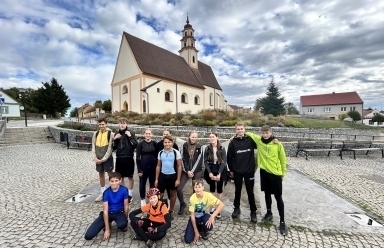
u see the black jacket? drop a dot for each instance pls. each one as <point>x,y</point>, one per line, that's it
<point>241,155</point>
<point>189,165</point>
<point>125,146</point>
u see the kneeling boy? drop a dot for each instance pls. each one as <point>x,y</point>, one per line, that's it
<point>115,208</point>
<point>155,226</point>
<point>200,221</point>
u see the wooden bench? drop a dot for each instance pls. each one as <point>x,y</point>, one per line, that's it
<point>315,146</point>
<point>353,146</point>
<point>49,137</point>
<point>81,140</point>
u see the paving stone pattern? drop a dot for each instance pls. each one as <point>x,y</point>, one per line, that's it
<point>35,180</point>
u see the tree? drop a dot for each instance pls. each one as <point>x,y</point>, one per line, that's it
<point>98,104</point>
<point>51,98</point>
<point>74,112</point>
<point>378,118</point>
<point>356,116</point>
<point>272,104</point>
<point>107,105</point>
<point>291,108</point>
<point>14,93</point>
<point>257,104</point>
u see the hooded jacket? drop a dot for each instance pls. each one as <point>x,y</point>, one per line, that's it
<point>241,155</point>
<point>125,146</point>
<point>102,151</point>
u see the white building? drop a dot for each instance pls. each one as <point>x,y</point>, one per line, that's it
<point>10,107</point>
<point>369,114</point>
<point>150,79</point>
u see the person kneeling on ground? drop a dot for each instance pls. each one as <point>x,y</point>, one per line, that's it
<point>156,225</point>
<point>115,208</point>
<point>200,221</point>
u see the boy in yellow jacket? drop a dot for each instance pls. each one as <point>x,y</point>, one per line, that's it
<point>272,162</point>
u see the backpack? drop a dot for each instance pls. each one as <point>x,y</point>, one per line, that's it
<point>109,134</point>
<point>174,163</point>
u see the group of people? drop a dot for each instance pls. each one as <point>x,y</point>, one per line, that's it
<point>168,169</point>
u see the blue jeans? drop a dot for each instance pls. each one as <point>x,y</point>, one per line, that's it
<point>98,224</point>
<point>200,222</point>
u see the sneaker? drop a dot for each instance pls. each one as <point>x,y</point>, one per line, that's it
<point>99,198</point>
<point>171,215</point>
<point>150,244</point>
<point>236,213</point>
<point>137,237</point>
<point>218,216</point>
<point>204,235</point>
<point>267,218</point>
<point>182,208</point>
<point>143,202</point>
<point>130,199</point>
<point>283,229</point>
<point>212,210</point>
<point>253,217</point>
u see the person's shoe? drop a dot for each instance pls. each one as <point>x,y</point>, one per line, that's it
<point>236,213</point>
<point>254,217</point>
<point>150,244</point>
<point>182,208</point>
<point>137,237</point>
<point>204,235</point>
<point>267,218</point>
<point>99,198</point>
<point>143,202</point>
<point>283,228</point>
<point>171,215</point>
<point>130,199</point>
<point>218,216</point>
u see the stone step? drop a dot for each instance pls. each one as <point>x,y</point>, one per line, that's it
<point>26,135</point>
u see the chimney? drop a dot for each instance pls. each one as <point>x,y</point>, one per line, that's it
<point>333,92</point>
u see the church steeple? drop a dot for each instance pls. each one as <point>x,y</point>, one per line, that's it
<point>188,49</point>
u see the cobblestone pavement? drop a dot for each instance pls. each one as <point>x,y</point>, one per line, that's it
<point>35,181</point>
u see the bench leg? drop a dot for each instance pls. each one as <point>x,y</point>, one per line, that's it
<point>367,152</point>
<point>341,155</point>
<point>329,153</point>
<point>67,145</point>
<point>297,152</point>
<point>382,153</point>
<point>354,154</point>
<point>306,155</point>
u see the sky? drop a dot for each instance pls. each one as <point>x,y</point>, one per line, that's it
<point>308,47</point>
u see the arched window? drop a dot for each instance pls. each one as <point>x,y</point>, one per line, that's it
<point>185,44</point>
<point>144,106</point>
<point>168,96</point>
<point>125,106</point>
<point>125,89</point>
<point>192,44</point>
<point>193,59</point>
<point>211,99</point>
<point>197,100</point>
<point>184,98</point>
<point>185,33</point>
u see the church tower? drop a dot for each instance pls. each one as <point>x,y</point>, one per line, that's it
<point>188,50</point>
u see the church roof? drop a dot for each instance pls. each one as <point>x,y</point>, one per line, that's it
<point>159,62</point>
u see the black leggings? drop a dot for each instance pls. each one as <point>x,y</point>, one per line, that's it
<point>279,201</point>
<point>142,231</point>
<point>213,185</point>
<point>148,168</point>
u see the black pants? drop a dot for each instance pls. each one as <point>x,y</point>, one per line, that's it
<point>249,181</point>
<point>148,168</point>
<point>142,231</point>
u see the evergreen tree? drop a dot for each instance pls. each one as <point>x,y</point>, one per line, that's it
<point>74,112</point>
<point>291,108</point>
<point>52,99</point>
<point>272,104</point>
<point>98,104</point>
<point>107,105</point>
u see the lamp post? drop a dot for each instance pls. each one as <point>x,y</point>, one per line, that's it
<point>22,97</point>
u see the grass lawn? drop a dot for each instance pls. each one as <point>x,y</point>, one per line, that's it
<point>317,123</point>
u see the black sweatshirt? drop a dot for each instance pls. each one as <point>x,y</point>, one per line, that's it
<point>241,155</point>
<point>145,150</point>
<point>162,228</point>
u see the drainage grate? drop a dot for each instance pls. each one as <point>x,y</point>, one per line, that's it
<point>364,220</point>
<point>78,198</point>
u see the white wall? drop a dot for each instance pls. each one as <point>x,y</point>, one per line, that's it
<point>135,95</point>
<point>335,110</point>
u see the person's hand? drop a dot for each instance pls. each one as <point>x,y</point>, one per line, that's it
<point>276,141</point>
<point>177,183</point>
<point>210,222</point>
<point>218,177</point>
<point>128,133</point>
<point>118,136</point>
<point>231,174</point>
<point>95,160</point>
<point>211,176</point>
<point>140,174</point>
<point>156,183</point>
<point>196,238</point>
<point>107,234</point>
<point>140,223</point>
<point>150,229</point>
<point>190,174</point>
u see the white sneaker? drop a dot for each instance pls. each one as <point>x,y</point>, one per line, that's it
<point>143,202</point>
<point>212,210</point>
<point>99,198</point>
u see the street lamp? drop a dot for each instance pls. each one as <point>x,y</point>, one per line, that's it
<point>22,97</point>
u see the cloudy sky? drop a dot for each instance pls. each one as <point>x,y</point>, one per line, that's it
<point>309,48</point>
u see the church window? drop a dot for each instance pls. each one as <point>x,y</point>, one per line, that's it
<point>211,99</point>
<point>185,44</point>
<point>185,33</point>
<point>197,100</point>
<point>125,89</point>
<point>184,98</point>
<point>144,106</point>
<point>193,59</point>
<point>192,44</point>
<point>168,96</point>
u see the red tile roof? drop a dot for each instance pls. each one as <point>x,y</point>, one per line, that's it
<point>159,62</point>
<point>331,99</point>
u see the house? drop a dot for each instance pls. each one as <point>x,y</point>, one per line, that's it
<point>369,114</point>
<point>238,109</point>
<point>331,105</point>
<point>150,79</point>
<point>89,111</point>
<point>9,107</point>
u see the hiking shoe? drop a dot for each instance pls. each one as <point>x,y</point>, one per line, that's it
<point>218,216</point>
<point>171,215</point>
<point>182,208</point>
<point>267,218</point>
<point>130,199</point>
<point>150,244</point>
<point>99,198</point>
<point>253,217</point>
<point>283,228</point>
<point>236,213</point>
<point>143,202</point>
<point>204,235</point>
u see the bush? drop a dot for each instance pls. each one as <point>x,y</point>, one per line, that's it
<point>198,122</point>
<point>228,123</point>
<point>342,116</point>
<point>209,123</point>
<point>179,116</point>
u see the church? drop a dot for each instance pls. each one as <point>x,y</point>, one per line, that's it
<point>150,79</point>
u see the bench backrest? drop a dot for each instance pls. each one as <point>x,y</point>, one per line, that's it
<point>83,138</point>
<point>314,144</point>
<point>356,144</point>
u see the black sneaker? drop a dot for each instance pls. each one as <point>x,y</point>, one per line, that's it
<point>283,229</point>
<point>218,216</point>
<point>267,218</point>
<point>182,208</point>
<point>253,217</point>
<point>171,215</point>
<point>130,198</point>
<point>236,213</point>
<point>204,235</point>
<point>150,244</point>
